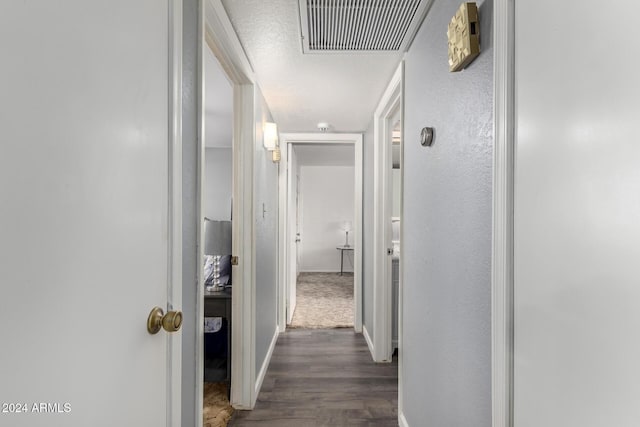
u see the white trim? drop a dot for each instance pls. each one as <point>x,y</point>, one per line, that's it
<point>288,229</point>
<point>358,237</point>
<point>389,104</point>
<point>265,365</point>
<point>324,138</point>
<point>367,338</point>
<point>503,202</point>
<point>317,270</point>
<point>281,314</point>
<point>400,282</point>
<point>174,284</point>
<point>224,43</point>
<point>199,325</point>
<point>402,421</point>
<point>243,301</point>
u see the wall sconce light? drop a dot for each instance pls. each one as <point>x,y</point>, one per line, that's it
<point>270,136</point>
<point>270,140</point>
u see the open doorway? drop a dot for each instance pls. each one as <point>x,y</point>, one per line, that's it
<point>222,51</point>
<point>395,140</point>
<point>217,196</point>
<point>387,277</point>
<point>322,240</point>
<point>321,207</point>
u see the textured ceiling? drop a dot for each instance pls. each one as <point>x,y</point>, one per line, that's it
<point>304,89</point>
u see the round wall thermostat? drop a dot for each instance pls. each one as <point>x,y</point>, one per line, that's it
<point>426,137</point>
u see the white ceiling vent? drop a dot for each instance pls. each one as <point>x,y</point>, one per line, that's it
<point>332,26</point>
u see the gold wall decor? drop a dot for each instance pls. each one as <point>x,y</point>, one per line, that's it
<point>464,36</point>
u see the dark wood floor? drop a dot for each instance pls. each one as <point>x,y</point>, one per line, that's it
<point>324,377</point>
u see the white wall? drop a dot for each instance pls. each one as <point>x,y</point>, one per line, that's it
<point>327,194</point>
<point>577,215</point>
<point>446,267</point>
<point>218,183</point>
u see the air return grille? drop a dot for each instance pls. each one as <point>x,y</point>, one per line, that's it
<point>357,25</point>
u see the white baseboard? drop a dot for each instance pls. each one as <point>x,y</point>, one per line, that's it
<point>367,338</point>
<point>315,270</point>
<point>265,366</point>
<point>402,421</point>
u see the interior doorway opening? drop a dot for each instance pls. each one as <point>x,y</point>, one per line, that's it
<point>321,184</point>
<point>315,232</point>
<point>217,223</point>
<point>387,239</point>
<point>395,140</point>
<point>215,36</point>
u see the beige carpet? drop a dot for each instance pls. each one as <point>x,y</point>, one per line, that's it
<point>217,409</point>
<point>324,300</point>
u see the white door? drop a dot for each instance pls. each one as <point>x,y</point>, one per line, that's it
<point>85,214</point>
<point>298,228</point>
<point>577,214</point>
<point>294,230</point>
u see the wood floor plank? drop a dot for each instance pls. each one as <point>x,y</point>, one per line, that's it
<point>324,377</point>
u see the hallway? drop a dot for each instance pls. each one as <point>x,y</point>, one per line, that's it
<point>324,378</point>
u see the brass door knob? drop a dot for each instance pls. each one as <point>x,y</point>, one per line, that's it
<point>171,322</point>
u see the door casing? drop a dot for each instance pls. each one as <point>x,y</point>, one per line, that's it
<point>284,239</point>
<point>502,222</point>
<point>388,107</point>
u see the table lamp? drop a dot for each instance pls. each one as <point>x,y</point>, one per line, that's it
<point>346,227</point>
<point>217,242</point>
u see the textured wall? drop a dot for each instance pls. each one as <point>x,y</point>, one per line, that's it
<point>266,235</point>
<point>447,230</point>
<point>367,231</point>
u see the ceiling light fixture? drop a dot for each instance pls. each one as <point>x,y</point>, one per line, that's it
<point>323,126</point>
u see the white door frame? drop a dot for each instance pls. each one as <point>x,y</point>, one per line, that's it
<point>223,41</point>
<point>284,240</point>
<point>502,283</point>
<point>293,226</point>
<point>174,287</point>
<point>391,101</point>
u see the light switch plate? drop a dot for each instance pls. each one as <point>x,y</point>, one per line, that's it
<point>464,36</point>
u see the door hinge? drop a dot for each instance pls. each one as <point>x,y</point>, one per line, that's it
<point>234,260</point>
